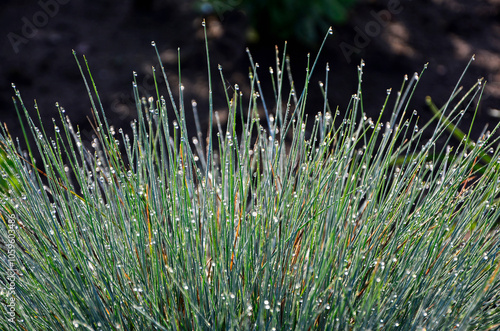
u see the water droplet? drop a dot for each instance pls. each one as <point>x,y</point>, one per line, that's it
<point>415,112</point>
<point>153,43</point>
<point>389,90</point>
<point>330,30</point>
<point>203,22</point>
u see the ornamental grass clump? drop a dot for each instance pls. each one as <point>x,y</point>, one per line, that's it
<point>256,224</point>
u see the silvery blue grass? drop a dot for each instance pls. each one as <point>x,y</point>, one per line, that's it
<point>357,225</point>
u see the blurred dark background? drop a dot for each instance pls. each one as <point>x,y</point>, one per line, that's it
<point>394,37</point>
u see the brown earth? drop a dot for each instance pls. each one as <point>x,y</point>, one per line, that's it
<point>396,38</point>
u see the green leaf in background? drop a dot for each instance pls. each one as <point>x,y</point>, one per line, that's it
<point>297,19</point>
<point>7,179</point>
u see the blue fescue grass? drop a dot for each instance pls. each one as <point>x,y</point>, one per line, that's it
<point>358,225</point>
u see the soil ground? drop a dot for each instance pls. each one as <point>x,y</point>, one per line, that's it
<point>115,37</point>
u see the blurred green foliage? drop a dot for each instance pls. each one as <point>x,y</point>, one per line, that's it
<point>7,179</point>
<point>306,21</point>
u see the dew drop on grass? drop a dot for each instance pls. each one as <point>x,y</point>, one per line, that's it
<point>153,43</point>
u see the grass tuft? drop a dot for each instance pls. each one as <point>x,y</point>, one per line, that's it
<point>357,225</point>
